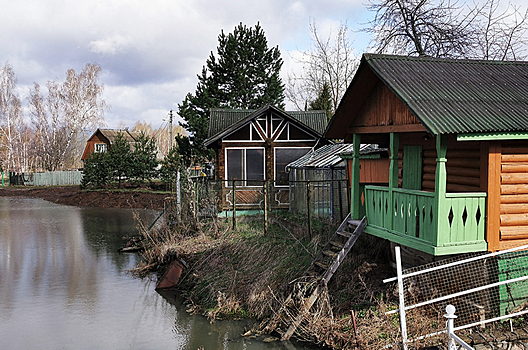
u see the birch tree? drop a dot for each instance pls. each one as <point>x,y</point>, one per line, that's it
<point>64,113</point>
<point>11,121</point>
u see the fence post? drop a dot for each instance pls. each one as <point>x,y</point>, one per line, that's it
<point>340,200</point>
<point>403,322</point>
<point>450,315</point>
<point>308,209</point>
<point>234,204</point>
<point>265,193</point>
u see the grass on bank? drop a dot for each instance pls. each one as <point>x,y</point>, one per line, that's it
<point>242,273</point>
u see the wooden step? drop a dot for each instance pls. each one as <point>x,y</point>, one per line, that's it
<point>321,265</point>
<point>338,245</point>
<point>329,253</point>
<point>353,223</point>
<point>344,234</point>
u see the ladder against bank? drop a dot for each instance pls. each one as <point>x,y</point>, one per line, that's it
<point>297,305</point>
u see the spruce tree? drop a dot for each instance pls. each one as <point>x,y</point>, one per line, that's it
<point>244,74</point>
<point>323,102</point>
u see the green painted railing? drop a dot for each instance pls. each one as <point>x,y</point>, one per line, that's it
<point>411,219</point>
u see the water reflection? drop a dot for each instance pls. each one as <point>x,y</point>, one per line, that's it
<point>64,286</point>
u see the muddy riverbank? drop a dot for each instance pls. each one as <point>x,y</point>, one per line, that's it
<point>73,195</point>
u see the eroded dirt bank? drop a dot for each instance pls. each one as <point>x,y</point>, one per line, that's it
<point>73,195</point>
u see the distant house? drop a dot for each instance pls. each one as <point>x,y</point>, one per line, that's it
<point>102,140</point>
<point>255,145</point>
<point>457,133</point>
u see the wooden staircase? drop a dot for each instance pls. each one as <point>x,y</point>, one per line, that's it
<point>321,270</point>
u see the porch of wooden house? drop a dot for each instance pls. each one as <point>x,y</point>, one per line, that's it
<point>435,222</point>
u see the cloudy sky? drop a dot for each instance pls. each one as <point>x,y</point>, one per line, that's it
<point>151,51</point>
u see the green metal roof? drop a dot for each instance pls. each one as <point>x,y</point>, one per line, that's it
<point>224,121</point>
<point>457,96</point>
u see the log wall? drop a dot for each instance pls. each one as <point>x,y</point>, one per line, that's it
<point>463,165</point>
<point>514,191</point>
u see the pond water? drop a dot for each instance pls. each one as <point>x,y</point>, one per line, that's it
<point>64,286</point>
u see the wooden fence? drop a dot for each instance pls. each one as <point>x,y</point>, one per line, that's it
<point>50,178</point>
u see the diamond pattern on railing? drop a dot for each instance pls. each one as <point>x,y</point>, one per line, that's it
<point>451,216</point>
<point>478,215</point>
<point>464,216</point>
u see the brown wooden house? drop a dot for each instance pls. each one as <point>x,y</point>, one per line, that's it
<point>102,140</point>
<point>457,133</point>
<point>256,145</point>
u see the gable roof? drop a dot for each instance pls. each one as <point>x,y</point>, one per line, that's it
<point>111,134</point>
<point>224,121</point>
<point>446,95</point>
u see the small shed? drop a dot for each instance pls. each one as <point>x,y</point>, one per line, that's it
<point>321,173</point>
<point>328,171</point>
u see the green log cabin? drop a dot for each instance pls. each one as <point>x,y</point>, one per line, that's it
<point>457,134</point>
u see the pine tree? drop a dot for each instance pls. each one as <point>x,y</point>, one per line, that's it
<point>144,158</point>
<point>120,159</point>
<point>244,74</point>
<point>323,102</point>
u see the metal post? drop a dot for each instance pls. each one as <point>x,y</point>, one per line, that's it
<point>450,315</point>
<point>308,209</point>
<point>265,193</point>
<point>234,204</point>
<point>452,338</point>
<point>403,322</point>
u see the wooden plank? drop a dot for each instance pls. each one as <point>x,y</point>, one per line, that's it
<point>519,167</point>
<point>514,178</point>
<point>513,158</point>
<point>514,232</point>
<point>412,167</point>
<point>462,188</point>
<point>514,219</point>
<point>514,150</point>
<point>514,189</point>
<point>463,180</point>
<point>494,195</point>
<point>513,199</point>
<point>386,129</point>
<point>462,171</point>
<point>521,208</point>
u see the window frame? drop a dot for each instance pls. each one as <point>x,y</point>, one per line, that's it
<point>275,161</point>
<point>228,182</point>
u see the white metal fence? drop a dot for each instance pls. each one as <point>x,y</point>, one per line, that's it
<point>50,178</point>
<point>484,287</point>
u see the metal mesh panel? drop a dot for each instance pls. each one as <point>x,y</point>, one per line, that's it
<point>472,283</point>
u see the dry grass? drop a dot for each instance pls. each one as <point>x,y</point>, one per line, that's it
<point>243,273</point>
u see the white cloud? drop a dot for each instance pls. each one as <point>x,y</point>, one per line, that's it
<point>110,45</point>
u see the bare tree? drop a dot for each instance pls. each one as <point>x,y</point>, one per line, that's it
<point>11,121</point>
<point>443,28</point>
<point>64,114</point>
<point>503,34</point>
<point>329,60</point>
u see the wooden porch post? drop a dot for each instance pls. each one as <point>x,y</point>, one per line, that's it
<point>440,208</point>
<point>494,196</point>
<point>394,146</point>
<point>355,195</point>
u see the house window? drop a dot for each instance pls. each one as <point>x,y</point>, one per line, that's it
<point>245,164</point>
<point>100,148</point>
<point>283,157</point>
